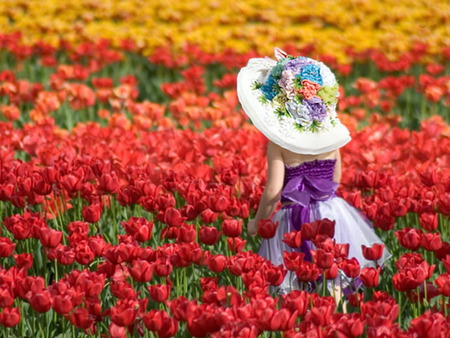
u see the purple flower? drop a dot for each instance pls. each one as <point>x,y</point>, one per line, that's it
<point>296,64</point>
<point>316,108</point>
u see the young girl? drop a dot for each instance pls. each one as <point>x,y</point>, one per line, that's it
<point>292,101</point>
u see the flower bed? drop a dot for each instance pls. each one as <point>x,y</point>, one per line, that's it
<point>126,184</point>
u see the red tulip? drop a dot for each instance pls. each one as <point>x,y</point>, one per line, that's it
<point>81,318</point>
<point>319,227</point>
<point>6,247</point>
<point>124,312</point>
<point>236,244</point>
<point>159,321</point>
<point>275,276</point>
<point>40,185</point>
<point>409,238</point>
<point>209,235</point>
<point>6,296</point>
<point>350,267</point>
<point>350,325</point>
<point>324,259</point>
<point>373,253</point>
<point>122,290</point>
<point>78,227</point>
<point>232,227</point>
<point>409,279</point>
<point>446,262</point>
<point>431,241</point>
<point>173,218</point>
<point>208,216</point>
<point>267,228</point>
<point>429,324</point>
<point>293,239</point>
<point>370,277</point>
<point>24,260</point>
<point>217,263</point>
<point>443,203</point>
<point>97,245</point>
<point>40,301</point>
<point>282,320</point>
<point>296,301</point>
<point>186,233</point>
<point>178,307</point>
<point>159,292</point>
<point>92,213</point>
<point>116,331</point>
<point>380,313</point>
<point>292,260</point>
<point>332,272</point>
<point>141,271</point>
<point>62,304</point>
<point>163,268</point>
<point>443,282</point>
<point>65,255</point>
<point>307,272</point>
<point>10,317</point>
<point>218,203</point>
<point>50,238</point>
<point>429,221</point>
<point>109,183</point>
<point>320,315</point>
<point>139,227</point>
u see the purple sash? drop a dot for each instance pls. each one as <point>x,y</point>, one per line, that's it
<point>304,190</point>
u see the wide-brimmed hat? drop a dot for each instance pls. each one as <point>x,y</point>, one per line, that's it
<point>292,101</point>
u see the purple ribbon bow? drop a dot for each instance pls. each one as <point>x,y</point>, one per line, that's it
<point>303,190</point>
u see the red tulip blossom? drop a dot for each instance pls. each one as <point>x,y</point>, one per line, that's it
<point>293,239</point>
<point>319,227</point>
<point>431,241</point>
<point>409,238</point>
<point>6,247</point>
<point>141,270</point>
<point>350,267</point>
<point>267,228</point>
<point>443,283</point>
<point>139,228</point>
<point>370,277</point>
<point>217,263</point>
<point>429,324</point>
<point>50,238</point>
<point>92,213</point>
<point>232,227</point>
<point>159,292</point>
<point>374,252</point>
<point>429,221</point>
<point>307,272</point>
<point>10,317</point>
<point>209,235</point>
<point>236,244</point>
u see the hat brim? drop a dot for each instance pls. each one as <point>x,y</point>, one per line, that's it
<point>281,130</point>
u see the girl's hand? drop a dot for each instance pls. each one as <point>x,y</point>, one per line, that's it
<point>252,227</point>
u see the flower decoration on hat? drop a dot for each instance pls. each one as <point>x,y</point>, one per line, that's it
<point>301,89</point>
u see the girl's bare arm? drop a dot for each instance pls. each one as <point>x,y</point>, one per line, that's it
<point>337,169</point>
<point>274,185</point>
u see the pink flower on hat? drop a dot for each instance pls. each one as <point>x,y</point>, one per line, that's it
<point>309,89</point>
<point>286,82</point>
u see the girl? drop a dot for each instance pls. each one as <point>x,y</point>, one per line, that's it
<point>292,101</point>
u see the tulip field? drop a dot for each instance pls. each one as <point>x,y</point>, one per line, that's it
<point>129,171</point>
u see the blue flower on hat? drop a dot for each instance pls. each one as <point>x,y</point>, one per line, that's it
<point>311,73</point>
<point>270,87</point>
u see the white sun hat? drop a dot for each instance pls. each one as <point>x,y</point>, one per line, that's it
<point>292,101</point>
